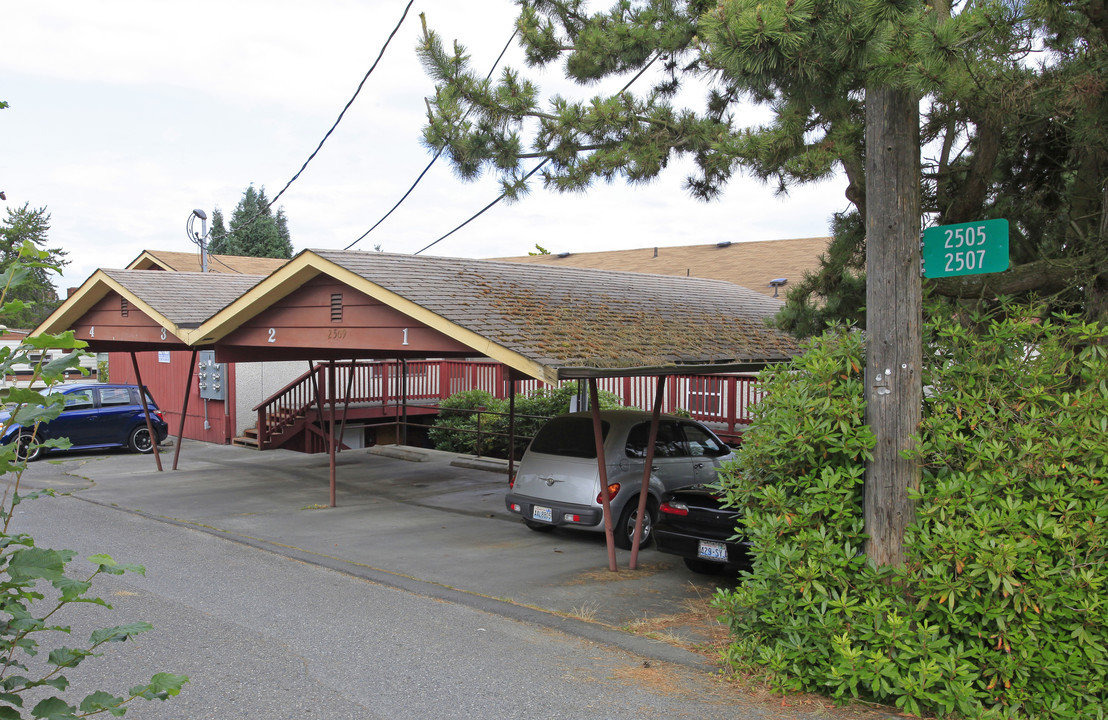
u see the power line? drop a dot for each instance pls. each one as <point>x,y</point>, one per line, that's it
<point>348,104</point>
<point>198,242</point>
<point>265,209</point>
<point>481,212</point>
<point>436,156</point>
<point>504,194</point>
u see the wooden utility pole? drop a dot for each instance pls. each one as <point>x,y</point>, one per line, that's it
<point>894,312</point>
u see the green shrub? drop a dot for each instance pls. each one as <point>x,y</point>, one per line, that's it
<point>999,608</point>
<point>455,427</point>
<point>455,430</point>
<point>35,582</point>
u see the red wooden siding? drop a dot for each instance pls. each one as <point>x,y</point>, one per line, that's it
<point>166,382</point>
<point>309,318</point>
<point>114,320</point>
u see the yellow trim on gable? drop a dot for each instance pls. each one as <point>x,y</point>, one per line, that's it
<point>95,289</point>
<point>308,265</point>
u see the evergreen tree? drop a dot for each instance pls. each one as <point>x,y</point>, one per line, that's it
<point>255,230</point>
<point>220,242</point>
<point>1014,113</point>
<point>26,225</point>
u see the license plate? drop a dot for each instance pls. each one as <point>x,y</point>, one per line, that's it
<point>712,550</point>
<point>542,513</point>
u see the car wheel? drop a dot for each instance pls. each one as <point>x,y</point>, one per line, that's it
<point>538,526</point>
<point>23,447</point>
<point>140,440</point>
<point>625,528</point>
<point>704,567</point>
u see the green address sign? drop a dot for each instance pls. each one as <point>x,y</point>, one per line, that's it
<point>971,248</point>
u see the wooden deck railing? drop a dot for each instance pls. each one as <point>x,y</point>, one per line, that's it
<point>723,401</point>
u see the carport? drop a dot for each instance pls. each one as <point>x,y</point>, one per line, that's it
<point>143,310</point>
<point>546,322</point>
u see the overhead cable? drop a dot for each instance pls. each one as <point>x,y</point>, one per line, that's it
<point>348,104</point>
<point>538,167</point>
<point>437,153</point>
<point>263,210</point>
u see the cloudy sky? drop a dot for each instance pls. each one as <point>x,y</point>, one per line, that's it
<point>125,115</point>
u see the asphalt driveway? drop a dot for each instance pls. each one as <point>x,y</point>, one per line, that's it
<point>429,522</point>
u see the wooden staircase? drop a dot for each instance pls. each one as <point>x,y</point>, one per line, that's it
<point>248,439</point>
<point>283,423</point>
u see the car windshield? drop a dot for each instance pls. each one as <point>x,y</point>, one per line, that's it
<point>568,436</point>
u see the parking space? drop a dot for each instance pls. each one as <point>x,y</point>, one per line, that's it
<point>421,519</point>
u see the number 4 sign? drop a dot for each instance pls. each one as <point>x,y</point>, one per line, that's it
<point>972,248</point>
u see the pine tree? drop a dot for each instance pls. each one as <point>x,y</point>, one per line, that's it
<point>34,288</point>
<point>1013,103</point>
<point>844,80</point>
<point>255,231</point>
<point>220,242</point>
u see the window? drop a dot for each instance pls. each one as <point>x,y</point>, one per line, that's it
<point>114,396</point>
<point>670,443</point>
<point>79,400</point>
<point>705,396</point>
<point>568,436</point>
<point>702,443</point>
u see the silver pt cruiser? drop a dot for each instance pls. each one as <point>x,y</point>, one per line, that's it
<point>558,480</point>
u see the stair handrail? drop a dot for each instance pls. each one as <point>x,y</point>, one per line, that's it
<point>272,423</point>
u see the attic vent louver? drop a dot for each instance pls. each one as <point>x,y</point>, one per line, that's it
<point>124,308</point>
<point>336,307</point>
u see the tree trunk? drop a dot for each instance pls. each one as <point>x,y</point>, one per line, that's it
<point>894,353</point>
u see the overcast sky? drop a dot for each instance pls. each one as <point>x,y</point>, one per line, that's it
<point>128,114</point>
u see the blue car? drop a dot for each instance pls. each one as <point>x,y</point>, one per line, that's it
<point>95,416</point>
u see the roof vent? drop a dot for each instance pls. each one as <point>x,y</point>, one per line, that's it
<point>563,254</point>
<point>776,283</point>
<point>725,243</point>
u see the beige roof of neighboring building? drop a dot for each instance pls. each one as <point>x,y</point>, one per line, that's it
<point>750,264</point>
<point>190,262</point>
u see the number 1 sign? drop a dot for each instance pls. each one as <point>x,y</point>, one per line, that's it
<point>965,249</point>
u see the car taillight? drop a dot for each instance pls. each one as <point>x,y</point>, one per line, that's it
<point>613,490</point>
<point>672,507</point>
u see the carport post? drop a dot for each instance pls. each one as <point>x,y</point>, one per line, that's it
<point>648,466</point>
<point>511,424</point>
<point>146,412</point>
<point>602,465</point>
<point>333,397</point>
<point>346,400</point>
<point>404,401</point>
<point>184,409</point>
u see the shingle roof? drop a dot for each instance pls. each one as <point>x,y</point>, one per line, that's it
<point>184,298</point>
<point>750,264</point>
<point>190,262</point>
<point>578,318</point>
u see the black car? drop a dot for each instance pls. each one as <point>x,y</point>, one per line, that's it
<point>692,524</point>
<point>94,416</point>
